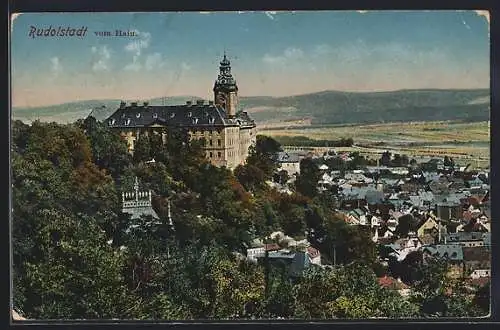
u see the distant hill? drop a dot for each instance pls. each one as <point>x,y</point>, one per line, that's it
<point>328,107</point>
<point>333,107</point>
<point>72,111</point>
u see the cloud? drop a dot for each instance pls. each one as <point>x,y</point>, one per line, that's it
<point>290,53</point>
<point>322,49</point>
<point>154,61</point>
<point>136,47</point>
<point>134,66</point>
<point>101,58</point>
<point>55,65</point>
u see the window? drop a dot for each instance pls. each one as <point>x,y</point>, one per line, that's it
<point>210,142</point>
<point>219,142</point>
<point>210,155</point>
<point>219,154</point>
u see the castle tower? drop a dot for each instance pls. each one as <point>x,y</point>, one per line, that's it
<point>225,89</point>
<point>138,203</point>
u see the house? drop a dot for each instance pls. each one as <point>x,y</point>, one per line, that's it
<point>295,262</point>
<point>431,227</point>
<point>358,216</point>
<point>451,252</point>
<point>404,246</point>
<point>289,162</point>
<point>478,257</point>
<point>468,239</point>
<point>254,253</point>
<point>479,273</point>
<point>449,209</point>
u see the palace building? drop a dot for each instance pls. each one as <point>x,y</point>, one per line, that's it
<point>228,132</point>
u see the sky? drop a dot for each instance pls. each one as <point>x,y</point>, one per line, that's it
<point>271,53</point>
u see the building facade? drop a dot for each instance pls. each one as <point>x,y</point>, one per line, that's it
<point>228,133</point>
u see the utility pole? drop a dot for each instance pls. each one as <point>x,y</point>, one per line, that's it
<point>335,254</point>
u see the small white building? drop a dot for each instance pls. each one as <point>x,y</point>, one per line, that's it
<point>289,163</point>
<point>478,273</point>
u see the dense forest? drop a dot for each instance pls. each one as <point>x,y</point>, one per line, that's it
<point>76,257</point>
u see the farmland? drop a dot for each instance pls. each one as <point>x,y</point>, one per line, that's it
<point>466,142</point>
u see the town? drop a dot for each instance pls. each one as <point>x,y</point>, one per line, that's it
<point>148,183</point>
<point>200,187</point>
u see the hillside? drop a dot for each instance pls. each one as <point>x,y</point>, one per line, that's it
<point>329,107</point>
<point>332,107</point>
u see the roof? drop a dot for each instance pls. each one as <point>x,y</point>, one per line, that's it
<point>285,157</point>
<point>195,115</point>
<point>450,251</point>
<point>477,253</point>
<point>391,282</point>
<point>466,236</point>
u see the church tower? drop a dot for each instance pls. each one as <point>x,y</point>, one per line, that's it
<point>225,89</point>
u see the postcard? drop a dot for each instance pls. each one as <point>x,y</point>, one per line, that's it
<point>264,165</point>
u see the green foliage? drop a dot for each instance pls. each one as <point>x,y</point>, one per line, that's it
<point>79,275</point>
<point>350,291</point>
<point>109,151</point>
<point>307,181</point>
<point>77,256</point>
<point>263,154</point>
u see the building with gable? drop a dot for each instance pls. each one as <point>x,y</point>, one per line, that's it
<point>228,133</point>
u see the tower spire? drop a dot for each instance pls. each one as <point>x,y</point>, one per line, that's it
<point>136,188</point>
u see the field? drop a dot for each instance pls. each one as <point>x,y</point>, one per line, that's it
<point>465,142</point>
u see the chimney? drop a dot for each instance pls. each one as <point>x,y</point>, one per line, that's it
<point>189,103</point>
<point>200,102</point>
<point>211,103</point>
<point>134,104</point>
<point>122,104</point>
<point>145,104</point>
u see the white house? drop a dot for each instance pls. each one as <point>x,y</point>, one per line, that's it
<point>288,162</point>
<point>478,273</point>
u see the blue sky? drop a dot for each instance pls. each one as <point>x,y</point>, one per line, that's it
<point>272,53</point>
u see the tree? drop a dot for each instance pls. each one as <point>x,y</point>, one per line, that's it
<point>350,291</point>
<point>250,176</point>
<point>448,161</point>
<point>263,155</point>
<point>406,223</point>
<point>109,151</point>
<point>385,160</point>
<point>79,275</point>
<point>307,180</point>
<point>142,149</point>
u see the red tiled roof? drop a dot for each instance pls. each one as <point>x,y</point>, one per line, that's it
<point>391,283</point>
<point>271,247</point>
<point>474,200</point>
